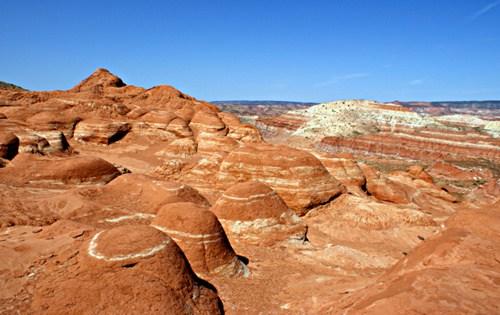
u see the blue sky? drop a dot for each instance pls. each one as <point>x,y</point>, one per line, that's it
<point>278,50</point>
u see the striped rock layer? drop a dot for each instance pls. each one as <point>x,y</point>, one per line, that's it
<point>201,236</point>
<point>297,176</point>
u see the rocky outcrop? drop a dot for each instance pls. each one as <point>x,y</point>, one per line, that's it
<point>101,78</point>
<point>413,146</point>
<point>406,188</point>
<point>344,168</point>
<point>207,122</point>
<point>129,198</point>
<point>201,237</point>
<point>455,266</point>
<point>101,132</point>
<point>252,206</point>
<point>102,275</point>
<point>297,176</point>
<point>26,169</point>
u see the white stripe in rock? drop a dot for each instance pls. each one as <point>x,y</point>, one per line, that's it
<point>185,234</point>
<point>259,196</point>
<point>92,250</point>
<point>131,217</point>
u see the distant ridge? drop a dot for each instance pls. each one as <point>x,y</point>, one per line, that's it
<point>10,86</point>
<point>493,104</point>
<point>263,102</point>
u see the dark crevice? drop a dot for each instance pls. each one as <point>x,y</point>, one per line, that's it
<point>12,149</point>
<point>243,259</point>
<point>131,265</point>
<point>316,205</point>
<point>118,136</point>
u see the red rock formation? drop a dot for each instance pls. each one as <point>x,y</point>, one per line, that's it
<point>344,168</point>
<point>26,169</point>
<point>456,266</point>
<point>298,177</point>
<point>99,131</point>
<point>403,188</point>
<point>255,212</point>
<point>419,147</point>
<point>102,276</point>
<point>201,237</point>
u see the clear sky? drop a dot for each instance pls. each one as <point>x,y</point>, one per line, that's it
<point>269,49</point>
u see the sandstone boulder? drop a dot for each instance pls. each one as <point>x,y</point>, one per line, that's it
<point>202,238</point>
<point>100,131</point>
<point>344,168</point>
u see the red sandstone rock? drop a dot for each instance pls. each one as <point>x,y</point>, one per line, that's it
<point>27,169</point>
<point>455,266</point>
<point>149,194</point>
<point>100,78</point>
<point>417,171</point>
<point>349,244</point>
<point>201,237</point>
<point>207,122</point>
<point>255,212</point>
<point>298,177</point>
<point>344,169</point>
<point>129,269</point>
<point>102,132</point>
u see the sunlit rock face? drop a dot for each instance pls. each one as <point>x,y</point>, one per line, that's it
<point>297,176</point>
<point>116,199</point>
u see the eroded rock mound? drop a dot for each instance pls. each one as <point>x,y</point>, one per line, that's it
<point>298,177</point>
<point>252,206</point>
<point>100,131</point>
<point>28,169</point>
<point>202,238</point>
<point>456,266</point>
<point>130,198</point>
<point>102,276</point>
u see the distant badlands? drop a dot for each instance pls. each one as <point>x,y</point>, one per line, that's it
<point>367,127</point>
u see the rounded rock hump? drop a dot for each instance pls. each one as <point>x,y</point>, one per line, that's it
<point>100,131</point>
<point>201,236</point>
<point>249,201</point>
<point>148,194</point>
<point>252,210</point>
<point>27,169</point>
<point>103,278</point>
<point>100,77</point>
<point>208,122</point>
<point>297,176</point>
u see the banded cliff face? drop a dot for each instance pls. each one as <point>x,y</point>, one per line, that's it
<point>367,127</point>
<point>416,145</point>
